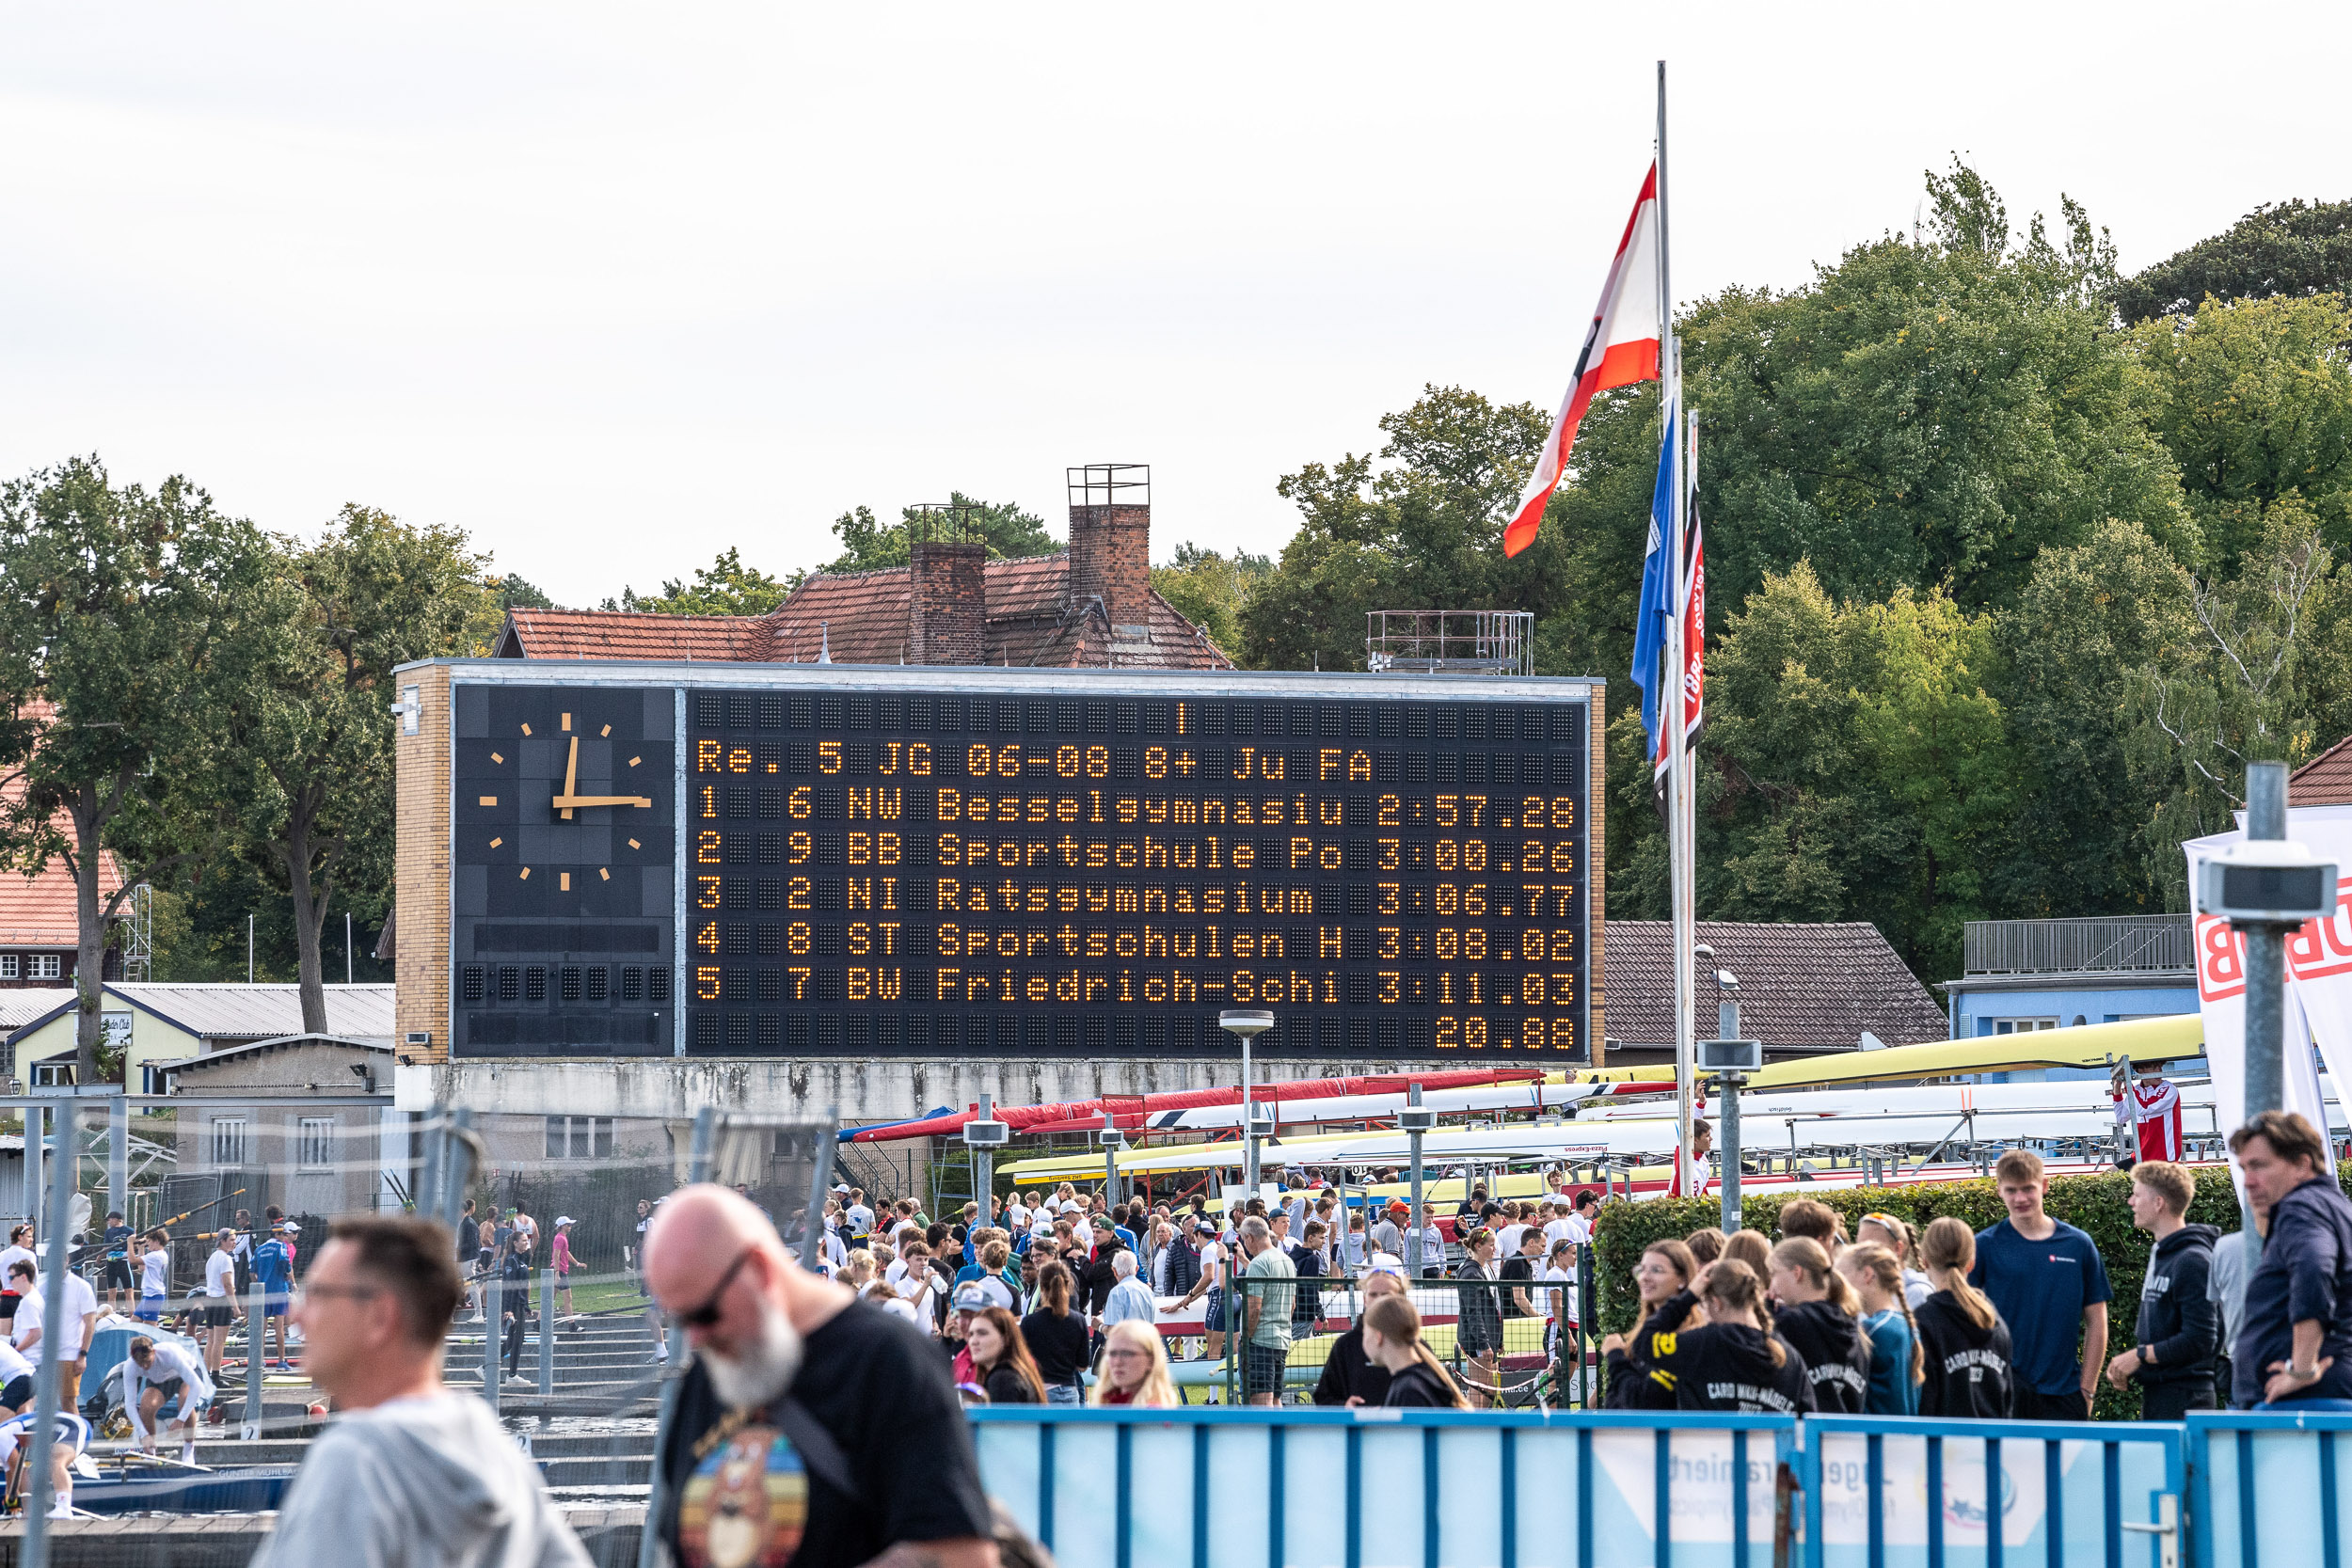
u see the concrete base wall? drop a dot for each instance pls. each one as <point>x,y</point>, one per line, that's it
<point>861,1090</point>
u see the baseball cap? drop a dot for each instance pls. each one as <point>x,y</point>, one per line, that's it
<point>841,1186</point>
<point>1396,1205</point>
<point>1206,1224</point>
<point>970,1297</point>
<point>292,1230</point>
<point>562,1220</point>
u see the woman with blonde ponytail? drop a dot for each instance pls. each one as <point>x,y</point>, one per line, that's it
<point>1961,1337</point>
<point>1734,1361</point>
<point>1392,1342</point>
<point>1819,1313</point>
<point>1877,1276</point>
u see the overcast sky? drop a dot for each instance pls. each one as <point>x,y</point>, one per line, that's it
<point>614,288</point>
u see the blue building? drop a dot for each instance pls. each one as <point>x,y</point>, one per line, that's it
<point>2027,974</point>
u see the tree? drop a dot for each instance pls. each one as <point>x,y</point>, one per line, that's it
<point>1003,526</point>
<point>1211,590</point>
<point>1423,534</point>
<point>725,587</point>
<point>2292,249</point>
<point>2239,689</point>
<point>304,763</point>
<point>1929,414</point>
<point>2254,402</point>
<point>514,592</point>
<point>114,601</point>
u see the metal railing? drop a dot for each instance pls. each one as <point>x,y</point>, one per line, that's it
<point>1198,1488</point>
<point>1499,1354</point>
<point>2269,1488</point>
<point>2133,943</point>
<point>1450,641</point>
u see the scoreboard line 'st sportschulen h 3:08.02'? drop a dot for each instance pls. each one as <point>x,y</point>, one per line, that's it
<point>924,868</point>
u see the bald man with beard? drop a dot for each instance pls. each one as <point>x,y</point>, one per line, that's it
<point>813,1429</point>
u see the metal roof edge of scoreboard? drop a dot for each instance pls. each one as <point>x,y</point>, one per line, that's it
<point>680,859</point>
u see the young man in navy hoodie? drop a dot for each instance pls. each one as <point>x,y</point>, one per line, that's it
<point>2174,1361</point>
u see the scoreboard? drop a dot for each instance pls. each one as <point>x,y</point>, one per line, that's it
<point>859,862</point>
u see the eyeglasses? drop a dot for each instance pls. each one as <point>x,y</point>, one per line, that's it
<point>707,1313</point>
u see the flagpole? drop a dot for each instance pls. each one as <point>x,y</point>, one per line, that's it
<point>1670,688</point>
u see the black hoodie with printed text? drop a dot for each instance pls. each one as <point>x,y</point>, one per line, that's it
<point>1724,1365</point>
<point>1968,1369</point>
<point>1837,1356</point>
<point>2177,1321</point>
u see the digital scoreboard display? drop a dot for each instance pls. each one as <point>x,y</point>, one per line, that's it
<point>905,870</point>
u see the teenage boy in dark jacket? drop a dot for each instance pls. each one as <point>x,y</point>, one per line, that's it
<point>2174,1361</point>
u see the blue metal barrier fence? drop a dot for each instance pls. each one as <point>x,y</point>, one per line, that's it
<point>2269,1488</point>
<point>1890,1492</point>
<point>1290,1487</point>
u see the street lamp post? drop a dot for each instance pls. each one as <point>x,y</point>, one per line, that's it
<point>1415,1119</point>
<point>1247,1024</point>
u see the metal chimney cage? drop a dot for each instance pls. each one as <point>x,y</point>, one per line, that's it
<point>1450,641</point>
<point>1110,484</point>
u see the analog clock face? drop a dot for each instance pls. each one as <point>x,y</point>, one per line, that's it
<point>564,875</point>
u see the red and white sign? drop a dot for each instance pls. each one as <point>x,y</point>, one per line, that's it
<point>1620,349</point>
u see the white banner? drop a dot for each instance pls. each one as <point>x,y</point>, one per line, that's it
<point>2319,991</point>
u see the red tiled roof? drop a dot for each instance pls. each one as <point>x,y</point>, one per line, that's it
<point>39,910</point>
<point>861,618</point>
<point>2326,780</point>
<point>628,634</point>
<point>1798,984</point>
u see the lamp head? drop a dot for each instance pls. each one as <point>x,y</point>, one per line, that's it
<point>1245,1020</point>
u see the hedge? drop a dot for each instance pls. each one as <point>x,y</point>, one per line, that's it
<point>2096,1204</point>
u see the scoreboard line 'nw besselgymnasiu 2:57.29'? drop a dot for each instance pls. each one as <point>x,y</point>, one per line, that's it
<point>1034,871</point>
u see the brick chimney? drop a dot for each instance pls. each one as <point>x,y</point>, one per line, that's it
<point>949,606</point>
<point>1110,543</point>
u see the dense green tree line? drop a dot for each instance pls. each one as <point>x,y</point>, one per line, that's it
<point>210,703</point>
<point>2010,571</point>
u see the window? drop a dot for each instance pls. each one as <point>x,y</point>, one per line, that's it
<point>152,1079</point>
<point>2022,1025</point>
<point>50,1075</point>
<point>12,967</point>
<point>579,1137</point>
<point>48,966</point>
<point>229,1141</point>
<point>317,1143</point>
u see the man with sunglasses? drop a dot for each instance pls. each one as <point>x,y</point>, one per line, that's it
<point>813,1429</point>
<point>409,1471</point>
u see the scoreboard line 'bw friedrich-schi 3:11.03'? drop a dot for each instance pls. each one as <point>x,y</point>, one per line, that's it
<point>1037,873</point>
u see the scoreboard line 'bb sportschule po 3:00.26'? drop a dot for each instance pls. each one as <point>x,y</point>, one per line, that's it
<point>910,862</point>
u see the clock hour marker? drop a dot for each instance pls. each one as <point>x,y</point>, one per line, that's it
<point>526,729</point>
<point>564,882</point>
<point>494,757</point>
<point>526,876</point>
<point>567,722</point>
<point>607,730</point>
<point>496,842</point>
<point>634,761</point>
<point>489,800</point>
<point>634,845</point>
<point>604,873</point>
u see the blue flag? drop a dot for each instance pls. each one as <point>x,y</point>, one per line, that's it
<point>1656,606</point>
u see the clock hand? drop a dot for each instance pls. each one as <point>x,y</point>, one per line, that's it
<point>571,771</point>
<point>567,802</point>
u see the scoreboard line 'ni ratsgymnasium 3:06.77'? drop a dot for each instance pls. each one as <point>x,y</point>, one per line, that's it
<point>813,860</point>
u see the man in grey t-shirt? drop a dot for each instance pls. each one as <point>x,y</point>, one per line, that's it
<point>1266,1347</point>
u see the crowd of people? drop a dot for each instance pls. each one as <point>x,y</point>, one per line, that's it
<point>2009,1321</point>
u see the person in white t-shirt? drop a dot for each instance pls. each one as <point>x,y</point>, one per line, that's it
<point>1210,1284</point>
<point>16,1381</point>
<point>154,1275</point>
<point>157,1369</point>
<point>221,1306</point>
<point>71,1340</point>
<point>20,1249</point>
